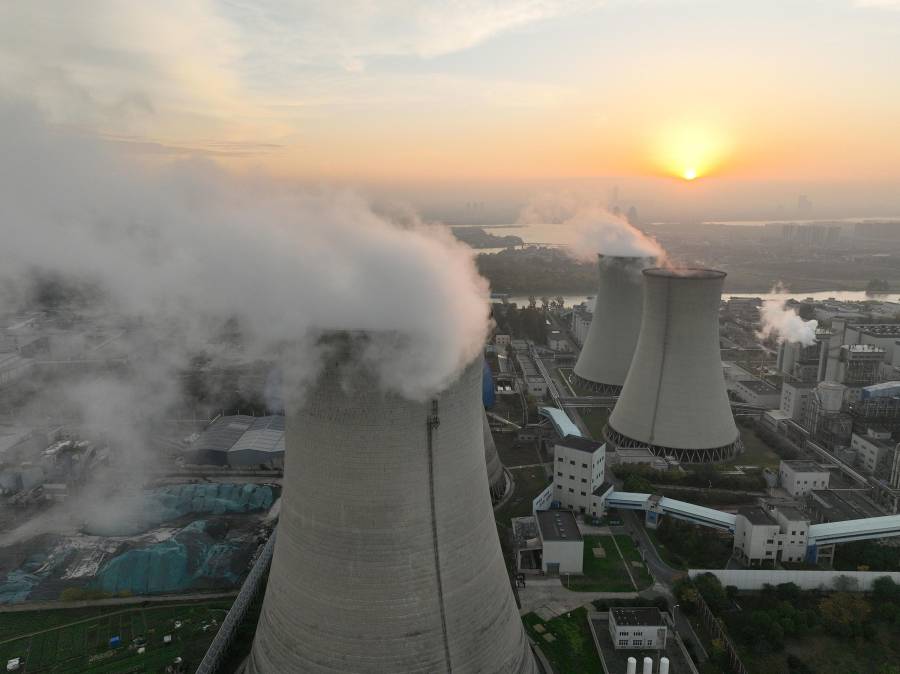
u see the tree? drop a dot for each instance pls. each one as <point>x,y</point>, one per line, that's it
<point>844,613</point>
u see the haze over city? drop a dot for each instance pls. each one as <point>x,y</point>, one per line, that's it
<point>514,336</point>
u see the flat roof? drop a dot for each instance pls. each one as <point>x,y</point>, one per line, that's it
<point>580,443</point>
<point>756,515</point>
<point>793,514</point>
<point>845,504</point>
<point>603,488</point>
<point>803,466</point>
<point>638,616</point>
<point>558,525</point>
<point>758,386</point>
<point>876,330</point>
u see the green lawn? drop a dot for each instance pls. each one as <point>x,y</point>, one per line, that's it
<point>669,556</point>
<point>756,452</point>
<point>641,575</point>
<point>595,419</point>
<point>77,640</point>
<point>601,574</point>
<point>572,650</point>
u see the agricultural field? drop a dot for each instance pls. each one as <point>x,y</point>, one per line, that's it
<point>83,640</point>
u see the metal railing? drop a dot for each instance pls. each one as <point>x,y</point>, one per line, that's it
<point>218,649</point>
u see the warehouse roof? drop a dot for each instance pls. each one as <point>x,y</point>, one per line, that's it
<point>561,421</point>
<point>756,515</point>
<point>242,432</point>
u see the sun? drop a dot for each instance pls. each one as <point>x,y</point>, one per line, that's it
<point>690,151</point>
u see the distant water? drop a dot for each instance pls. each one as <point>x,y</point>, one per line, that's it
<point>840,295</point>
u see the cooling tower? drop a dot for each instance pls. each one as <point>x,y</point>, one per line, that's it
<point>496,477</point>
<point>674,401</point>
<point>387,557</point>
<point>611,338</point>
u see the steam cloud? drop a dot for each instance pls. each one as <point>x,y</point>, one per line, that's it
<point>593,229</point>
<point>189,244</point>
<point>785,324</point>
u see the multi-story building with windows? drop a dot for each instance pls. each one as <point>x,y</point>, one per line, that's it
<point>578,469</point>
<point>637,628</point>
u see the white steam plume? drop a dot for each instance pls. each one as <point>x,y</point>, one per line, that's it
<point>190,244</point>
<point>592,228</point>
<point>785,325</point>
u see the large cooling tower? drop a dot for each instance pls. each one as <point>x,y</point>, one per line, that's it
<point>674,400</point>
<point>496,477</point>
<point>387,557</point>
<point>611,338</point>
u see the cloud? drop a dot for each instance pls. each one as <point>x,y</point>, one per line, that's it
<point>785,324</point>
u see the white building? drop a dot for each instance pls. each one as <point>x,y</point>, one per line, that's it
<point>561,542</point>
<point>638,628</point>
<point>581,320</point>
<point>873,448</point>
<point>501,341</point>
<point>760,537</point>
<point>795,400</point>
<point>798,478</point>
<point>578,472</point>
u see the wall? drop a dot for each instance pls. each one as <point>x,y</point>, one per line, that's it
<point>569,555</point>
<point>806,580</point>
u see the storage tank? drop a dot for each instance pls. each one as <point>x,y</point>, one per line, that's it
<point>387,557</point>
<point>606,355</point>
<point>674,400</point>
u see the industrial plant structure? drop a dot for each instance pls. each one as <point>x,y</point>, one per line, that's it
<point>613,332</point>
<point>387,557</point>
<point>496,476</point>
<point>674,400</point>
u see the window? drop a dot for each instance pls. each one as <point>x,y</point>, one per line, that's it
<point>584,479</point>
<point>637,642</point>
<point>770,541</point>
<point>649,642</point>
<point>571,491</point>
<point>583,494</point>
<point>559,459</point>
<point>584,465</point>
<point>571,477</point>
<point>572,462</point>
<point>623,642</point>
<point>559,474</point>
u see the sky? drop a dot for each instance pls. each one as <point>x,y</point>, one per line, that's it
<point>740,95</point>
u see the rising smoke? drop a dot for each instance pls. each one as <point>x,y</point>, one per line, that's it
<point>592,228</point>
<point>784,324</point>
<point>177,251</point>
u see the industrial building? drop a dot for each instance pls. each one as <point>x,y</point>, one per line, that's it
<point>582,315</point>
<point>387,557</point>
<point>674,400</point>
<point>761,537</point>
<point>613,333</point>
<point>874,450</point>
<point>578,466</point>
<point>799,478</point>
<point>561,542</point>
<point>758,393</point>
<point>637,628</point>
<point>884,353</point>
<point>240,440</point>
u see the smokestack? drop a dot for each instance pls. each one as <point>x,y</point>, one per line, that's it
<point>496,479</point>
<point>674,400</point>
<point>604,360</point>
<point>387,557</point>
<point>632,666</point>
<point>648,666</point>
<point>664,666</point>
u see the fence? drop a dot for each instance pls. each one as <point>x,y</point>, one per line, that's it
<point>715,629</point>
<point>218,649</point>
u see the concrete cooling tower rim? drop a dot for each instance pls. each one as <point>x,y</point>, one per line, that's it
<point>686,273</point>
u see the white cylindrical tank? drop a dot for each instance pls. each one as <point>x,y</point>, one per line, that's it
<point>496,478</point>
<point>387,557</point>
<point>606,355</point>
<point>831,395</point>
<point>632,666</point>
<point>674,401</point>
<point>648,666</point>
<point>664,666</point>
